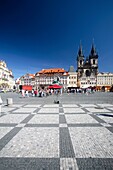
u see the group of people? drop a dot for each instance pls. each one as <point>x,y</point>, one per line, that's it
<point>40,92</point>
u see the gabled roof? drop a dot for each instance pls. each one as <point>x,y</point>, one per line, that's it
<point>52,70</point>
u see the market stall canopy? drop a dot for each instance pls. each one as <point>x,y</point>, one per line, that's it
<point>55,86</point>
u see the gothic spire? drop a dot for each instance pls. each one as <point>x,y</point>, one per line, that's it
<point>80,52</point>
<point>93,50</point>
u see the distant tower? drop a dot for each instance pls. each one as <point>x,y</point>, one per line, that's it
<point>93,59</point>
<point>80,60</point>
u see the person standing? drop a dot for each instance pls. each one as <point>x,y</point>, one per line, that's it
<point>23,92</point>
<point>27,94</point>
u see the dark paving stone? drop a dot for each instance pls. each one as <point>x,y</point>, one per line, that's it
<point>37,110</point>
<point>84,109</point>
<point>60,105</point>
<point>66,148</point>
<point>75,113</point>
<point>98,119</point>
<point>29,164</point>
<point>95,163</point>
<point>8,124</point>
<point>61,110</point>
<point>27,119</point>
<point>2,114</point>
<point>62,119</point>
<point>42,125</point>
<point>8,137</point>
<point>85,125</point>
<point>110,129</point>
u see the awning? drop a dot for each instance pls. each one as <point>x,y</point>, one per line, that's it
<point>55,86</point>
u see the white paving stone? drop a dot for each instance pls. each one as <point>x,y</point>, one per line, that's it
<point>105,124</point>
<point>32,105</point>
<point>73,110</point>
<point>68,164</point>
<point>63,125</point>
<point>24,110</point>
<point>13,118</point>
<point>4,131</point>
<point>88,105</point>
<point>84,118</point>
<point>51,105</point>
<point>62,113</point>
<point>110,108</point>
<point>33,142</point>
<point>49,110</point>
<point>44,119</point>
<point>105,105</point>
<point>106,119</point>
<point>7,109</point>
<point>15,105</point>
<point>70,105</point>
<point>21,125</point>
<point>97,110</point>
<point>95,142</point>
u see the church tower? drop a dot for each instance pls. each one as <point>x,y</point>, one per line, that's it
<point>87,68</point>
<point>80,60</point>
<point>93,59</point>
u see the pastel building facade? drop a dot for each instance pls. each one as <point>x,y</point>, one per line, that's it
<point>104,81</point>
<point>71,78</point>
<point>6,77</point>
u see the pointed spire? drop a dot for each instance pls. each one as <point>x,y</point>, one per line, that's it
<point>93,50</point>
<point>80,53</point>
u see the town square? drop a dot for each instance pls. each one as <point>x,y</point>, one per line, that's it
<point>56,85</point>
<point>77,133</point>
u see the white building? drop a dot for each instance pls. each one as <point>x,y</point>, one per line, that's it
<point>6,77</point>
<point>27,79</point>
<point>72,78</point>
<point>104,81</point>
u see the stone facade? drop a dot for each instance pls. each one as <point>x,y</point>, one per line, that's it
<point>6,77</point>
<point>46,77</point>
<point>87,68</point>
<point>104,81</point>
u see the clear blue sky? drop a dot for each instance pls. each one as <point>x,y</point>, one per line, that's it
<point>37,34</point>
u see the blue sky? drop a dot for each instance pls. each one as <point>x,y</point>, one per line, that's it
<point>40,34</point>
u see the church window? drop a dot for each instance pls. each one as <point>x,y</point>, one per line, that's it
<point>93,61</point>
<point>80,62</point>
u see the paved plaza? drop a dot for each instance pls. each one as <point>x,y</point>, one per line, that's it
<point>76,134</point>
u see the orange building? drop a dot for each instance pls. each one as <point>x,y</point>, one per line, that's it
<point>45,77</point>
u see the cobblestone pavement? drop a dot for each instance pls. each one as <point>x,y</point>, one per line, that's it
<point>47,136</point>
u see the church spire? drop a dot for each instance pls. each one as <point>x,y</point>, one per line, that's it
<point>93,50</point>
<point>80,52</point>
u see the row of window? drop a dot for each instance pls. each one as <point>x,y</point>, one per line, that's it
<point>108,83</point>
<point>88,83</point>
<point>72,82</point>
<point>73,77</point>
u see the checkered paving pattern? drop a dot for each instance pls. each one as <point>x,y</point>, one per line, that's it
<point>56,137</point>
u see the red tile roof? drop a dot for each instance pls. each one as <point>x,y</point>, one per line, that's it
<point>52,70</point>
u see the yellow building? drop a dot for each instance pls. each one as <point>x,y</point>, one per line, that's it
<point>6,77</point>
<point>104,81</point>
